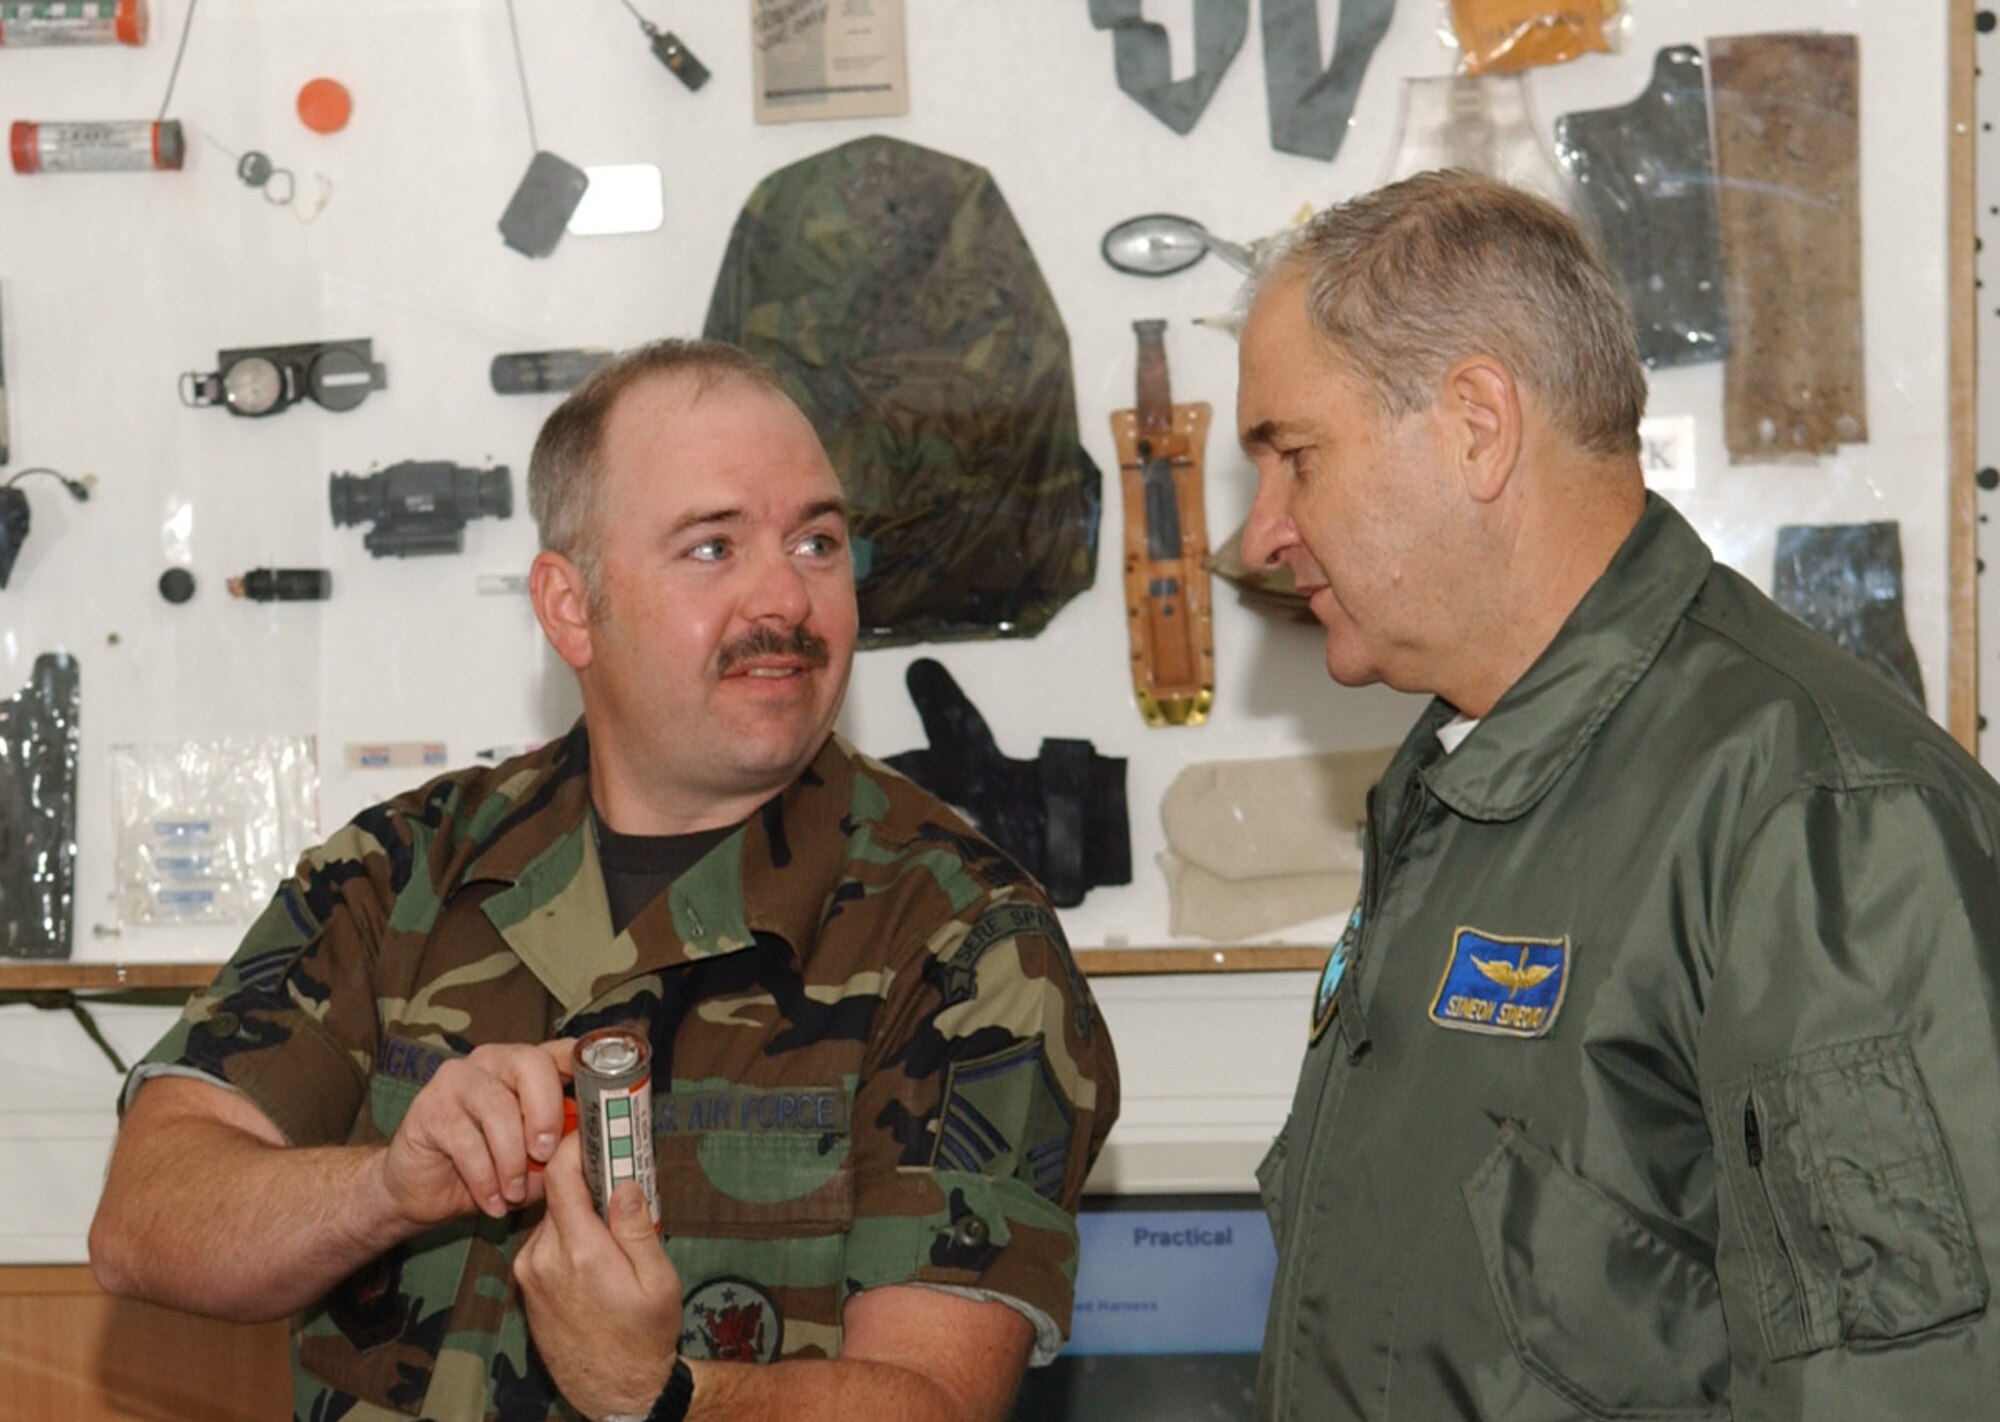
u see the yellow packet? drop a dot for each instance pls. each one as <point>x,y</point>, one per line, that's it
<point>1500,36</point>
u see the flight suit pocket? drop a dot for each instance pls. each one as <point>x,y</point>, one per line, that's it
<point>1847,1209</point>
<point>377,1334</point>
<point>1618,1320</point>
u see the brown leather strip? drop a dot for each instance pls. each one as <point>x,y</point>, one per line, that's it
<point>1788,161</point>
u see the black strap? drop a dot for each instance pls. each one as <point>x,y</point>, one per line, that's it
<point>1065,772</point>
<point>676,1397</point>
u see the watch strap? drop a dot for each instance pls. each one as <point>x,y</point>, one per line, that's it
<point>676,1397</point>
<point>671,1405</point>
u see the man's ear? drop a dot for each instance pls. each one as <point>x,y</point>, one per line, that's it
<point>1481,404</point>
<point>562,606</point>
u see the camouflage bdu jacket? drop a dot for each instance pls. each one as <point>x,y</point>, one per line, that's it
<point>874,1062</point>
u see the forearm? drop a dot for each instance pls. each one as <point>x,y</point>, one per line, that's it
<point>201,1216</point>
<point>809,1389</point>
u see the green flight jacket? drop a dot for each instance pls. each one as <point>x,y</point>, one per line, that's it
<point>1663,1080</point>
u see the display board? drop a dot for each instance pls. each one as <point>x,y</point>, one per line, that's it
<point>115,284</point>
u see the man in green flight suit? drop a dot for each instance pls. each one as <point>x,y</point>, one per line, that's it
<point>1656,1073</point>
<point>878,1077</point>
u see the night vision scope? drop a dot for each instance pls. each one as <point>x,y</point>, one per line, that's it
<point>419,506</point>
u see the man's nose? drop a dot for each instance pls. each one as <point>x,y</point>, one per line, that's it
<point>1267,531</point>
<point>778,592</point>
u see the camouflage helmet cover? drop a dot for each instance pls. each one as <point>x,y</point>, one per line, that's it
<point>892,291</point>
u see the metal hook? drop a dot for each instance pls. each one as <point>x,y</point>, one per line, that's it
<point>324,186</point>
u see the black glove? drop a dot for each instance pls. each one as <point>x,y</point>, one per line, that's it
<point>1061,816</point>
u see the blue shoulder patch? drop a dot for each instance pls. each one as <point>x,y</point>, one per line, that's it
<point>1510,987</point>
<point>1331,974</point>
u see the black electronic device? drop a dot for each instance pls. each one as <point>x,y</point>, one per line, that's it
<point>14,520</point>
<point>283,585</point>
<point>667,47</point>
<point>670,51</point>
<point>541,206</point>
<point>419,506</point>
<point>535,372</point>
<point>262,380</point>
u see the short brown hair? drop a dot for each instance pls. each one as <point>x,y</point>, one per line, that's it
<point>565,470</point>
<point>1404,281</point>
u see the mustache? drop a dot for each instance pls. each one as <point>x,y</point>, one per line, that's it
<point>768,642</point>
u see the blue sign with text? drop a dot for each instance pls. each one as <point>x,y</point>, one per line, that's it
<point>1172,1281</point>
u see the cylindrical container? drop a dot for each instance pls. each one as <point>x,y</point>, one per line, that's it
<point>283,585</point>
<point>614,1107</point>
<point>26,23</point>
<point>135,146</point>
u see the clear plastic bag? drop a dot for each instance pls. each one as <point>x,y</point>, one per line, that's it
<point>1488,125</point>
<point>207,829</point>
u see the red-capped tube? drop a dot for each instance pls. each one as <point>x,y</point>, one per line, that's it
<point>30,23</point>
<point>138,145</point>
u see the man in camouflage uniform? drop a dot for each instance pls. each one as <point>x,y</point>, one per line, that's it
<point>879,1080</point>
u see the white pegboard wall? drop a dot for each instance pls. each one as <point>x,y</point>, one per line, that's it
<point>114,282</point>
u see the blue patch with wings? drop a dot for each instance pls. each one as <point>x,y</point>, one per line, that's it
<point>1510,987</point>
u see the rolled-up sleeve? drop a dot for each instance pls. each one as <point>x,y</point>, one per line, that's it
<point>991,1089</point>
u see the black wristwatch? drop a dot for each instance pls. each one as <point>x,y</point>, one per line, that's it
<point>671,1405</point>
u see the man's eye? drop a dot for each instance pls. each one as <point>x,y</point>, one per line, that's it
<point>710,550</point>
<point>820,545</point>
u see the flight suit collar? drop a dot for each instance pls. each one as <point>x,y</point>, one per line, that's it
<point>1545,720</point>
<point>555,913</point>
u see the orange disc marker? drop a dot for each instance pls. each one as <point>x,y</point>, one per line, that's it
<point>324,105</point>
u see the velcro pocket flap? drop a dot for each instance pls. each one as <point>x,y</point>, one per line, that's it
<point>1851,1213</point>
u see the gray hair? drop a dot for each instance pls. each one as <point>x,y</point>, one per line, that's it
<point>1406,280</point>
<point>566,469</point>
